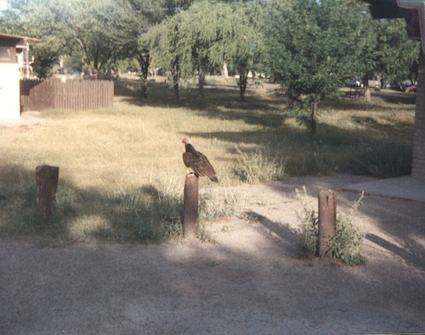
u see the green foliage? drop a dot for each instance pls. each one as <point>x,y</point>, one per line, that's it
<point>395,55</point>
<point>310,231</point>
<point>46,55</point>
<point>347,243</point>
<point>242,41</point>
<point>205,36</point>
<point>313,46</point>
<point>258,167</point>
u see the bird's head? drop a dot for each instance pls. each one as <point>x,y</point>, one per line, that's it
<point>185,141</point>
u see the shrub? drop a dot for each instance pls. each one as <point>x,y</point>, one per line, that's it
<point>346,245</point>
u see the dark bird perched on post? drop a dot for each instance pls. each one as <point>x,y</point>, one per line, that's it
<point>198,162</point>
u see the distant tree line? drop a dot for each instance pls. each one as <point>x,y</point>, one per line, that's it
<point>310,47</point>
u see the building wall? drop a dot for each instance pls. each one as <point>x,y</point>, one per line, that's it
<point>418,167</point>
<point>9,91</point>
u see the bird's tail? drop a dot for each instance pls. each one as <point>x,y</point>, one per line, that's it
<point>214,179</point>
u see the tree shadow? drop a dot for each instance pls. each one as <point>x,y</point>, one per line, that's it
<point>399,126</point>
<point>382,102</point>
<point>331,149</point>
<point>394,97</point>
<point>286,236</point>
<point>266,284</point>
<point>146,214</point>
<point>215,102</point>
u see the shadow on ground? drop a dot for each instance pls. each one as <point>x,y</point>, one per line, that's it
<point>249,282</point>
<point>146,214</point>
<point>374,147</point>
<point>397,224</point>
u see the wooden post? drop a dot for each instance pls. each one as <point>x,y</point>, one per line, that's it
<point>190,216</point>
<point>327,220</point>
<point>47,184</point>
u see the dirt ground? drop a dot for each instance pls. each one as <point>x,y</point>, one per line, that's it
<point>250,281</point>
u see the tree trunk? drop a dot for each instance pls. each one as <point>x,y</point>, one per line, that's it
<point>176,85</point>
<point>418,168</point>
<point>313,122</point>
<point>144,60</point>
<point>243,82</point>
<point>366,89</point>
<point>225,71</point>
<point>201,81</point>
<point>176,79</point>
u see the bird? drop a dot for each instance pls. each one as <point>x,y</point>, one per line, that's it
<point>198,162</point>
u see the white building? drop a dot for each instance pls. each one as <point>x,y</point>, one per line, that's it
<point>12,47</point>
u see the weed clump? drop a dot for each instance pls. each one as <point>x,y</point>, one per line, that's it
<point>345,245</point>
<point>258,167</point>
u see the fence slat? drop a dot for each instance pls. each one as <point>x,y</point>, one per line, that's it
<point>71,95</point>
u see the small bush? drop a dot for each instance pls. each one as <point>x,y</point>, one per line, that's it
<point>346,245</point>
<point>347,242</point>
<point>258,167</point>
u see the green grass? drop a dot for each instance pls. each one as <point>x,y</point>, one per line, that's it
<point>121,171</point>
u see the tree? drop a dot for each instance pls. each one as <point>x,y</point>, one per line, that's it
<point>165,42</point>
<point>136,19</point>
<point>15,20</point>
<point>205,36</point>
<point>241,43</point>
<point>395,55</point>
<point>386,52</point>
<point>313,48</point>
<point>78,27</point>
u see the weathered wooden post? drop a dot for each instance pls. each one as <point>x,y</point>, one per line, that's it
<point>47,184</point>
<point>190,215</point>
<point>327,220</point>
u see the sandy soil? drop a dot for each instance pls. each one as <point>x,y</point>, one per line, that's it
<point>250,281</point>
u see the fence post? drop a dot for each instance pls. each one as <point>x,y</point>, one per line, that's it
<point>327,220</point>
<point>47,183</point>
<point>190,214</point>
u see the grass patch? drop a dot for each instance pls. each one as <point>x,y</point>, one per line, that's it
<point>121,170</point>
<point>149,214</point>
<point>258,167</point>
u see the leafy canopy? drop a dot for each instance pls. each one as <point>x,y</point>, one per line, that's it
<point>313,47</point>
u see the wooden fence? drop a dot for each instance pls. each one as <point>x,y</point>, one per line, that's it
<point>69,95</point>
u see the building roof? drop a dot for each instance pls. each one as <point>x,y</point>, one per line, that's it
<point>18,39</point>
<point>387,9</point>
<point>391,9</point>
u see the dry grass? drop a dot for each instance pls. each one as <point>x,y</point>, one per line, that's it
<point>137,144</point>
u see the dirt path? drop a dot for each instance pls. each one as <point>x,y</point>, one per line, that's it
<point>250,281</point>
